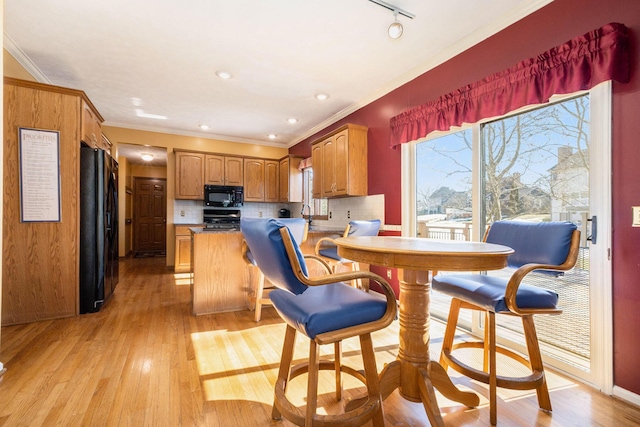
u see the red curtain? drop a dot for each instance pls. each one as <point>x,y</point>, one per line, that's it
<point>579,64</point>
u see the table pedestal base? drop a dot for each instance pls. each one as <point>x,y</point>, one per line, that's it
<point>413,373</point>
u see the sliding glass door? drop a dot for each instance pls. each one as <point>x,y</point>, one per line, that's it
<point>538,165</point>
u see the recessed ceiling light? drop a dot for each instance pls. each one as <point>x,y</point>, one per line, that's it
<point>292,120</point>
<point>147,157</point>
<point>322,96</point>
<point>223,75</point>
<point>272,136</point>
<point>204,127</point>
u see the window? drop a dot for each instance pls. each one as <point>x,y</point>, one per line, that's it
<point>319,207</point>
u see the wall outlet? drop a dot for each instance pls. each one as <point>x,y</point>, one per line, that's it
<point>636,216</point>
<point>389,273</point>
<point>182,212</point>
<point>348,214</point>
<point>330,214</point>
<point>260,214</point>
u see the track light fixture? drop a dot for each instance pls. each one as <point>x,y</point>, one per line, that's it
<point>395,29</point>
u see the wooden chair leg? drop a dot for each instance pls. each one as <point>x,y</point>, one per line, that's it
<point>371,375</point>
<point>285,366</point>
<point>493,381</point>
<point>535,358</point>
<point>251,291</point>
<point>338,364</point>
<point>450,331</point>
<point>258,293</point>
<point>485,356</point>
<point>312,384</point>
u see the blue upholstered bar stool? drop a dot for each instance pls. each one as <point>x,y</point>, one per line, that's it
<point>546,248</point>
<point>327,249</point>
<point>326,310</point>
<point>258,295</point>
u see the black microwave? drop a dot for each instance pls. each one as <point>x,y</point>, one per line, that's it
<point>223,196</point>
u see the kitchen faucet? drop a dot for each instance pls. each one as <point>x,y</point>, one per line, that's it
<point>302,212</point>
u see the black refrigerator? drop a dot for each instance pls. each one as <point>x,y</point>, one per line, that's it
<point>98,228</point>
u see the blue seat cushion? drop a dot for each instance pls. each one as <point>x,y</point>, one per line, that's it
<point>327,308</point>
<point>332,252</point>
<point>488,292</point>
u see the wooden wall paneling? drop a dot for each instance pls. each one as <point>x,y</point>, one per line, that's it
<point>40,269</point>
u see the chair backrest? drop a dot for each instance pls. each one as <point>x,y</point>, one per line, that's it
<point>363,228</point>
<point>298,228</point>
<point>267,248</point>
<point>533,242</point>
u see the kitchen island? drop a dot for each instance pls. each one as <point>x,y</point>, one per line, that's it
<point>220,279</point>
<point>219,275</point>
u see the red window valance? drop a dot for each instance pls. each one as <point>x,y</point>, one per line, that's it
<point>579,64</point>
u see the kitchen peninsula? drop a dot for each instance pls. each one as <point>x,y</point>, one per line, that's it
<point>219,276</point>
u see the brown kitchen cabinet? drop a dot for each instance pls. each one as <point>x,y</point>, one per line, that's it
<point>45,284</point>
<point>261,180</point>
<point>339,162</point>
<point>189,175</point>
<point>182,262</point>
<point>224,170</point>
<point>290,179</point>
<point>271,180</point>
<point>91,126</point>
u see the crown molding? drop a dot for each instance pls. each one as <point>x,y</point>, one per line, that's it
<point>23,59</point>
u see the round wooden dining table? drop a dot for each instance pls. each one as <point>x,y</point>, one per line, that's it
<point>413,373</point>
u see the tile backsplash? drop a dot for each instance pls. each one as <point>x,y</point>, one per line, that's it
<point>342,210</point>
<point>346,209</point>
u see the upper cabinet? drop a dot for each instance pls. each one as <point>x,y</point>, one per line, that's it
<point>259,177</point>
<point>261,180</point>
<point>271,180</point>
<point>290,179</point>
<point>91,126</point>
<point>190,175</point>
<point>340,163</point>
<point>254,180</point>
<point>223,170</point>
<point>234,171</point>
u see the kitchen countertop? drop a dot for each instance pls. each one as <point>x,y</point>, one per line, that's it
<point>204,230</point>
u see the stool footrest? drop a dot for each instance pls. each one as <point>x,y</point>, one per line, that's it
<point>352,418</point>
<point>527,382</point>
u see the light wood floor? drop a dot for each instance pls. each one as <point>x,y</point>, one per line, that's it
<point>145,361</point>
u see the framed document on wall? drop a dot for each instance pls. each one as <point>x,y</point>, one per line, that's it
<point>39,175</point>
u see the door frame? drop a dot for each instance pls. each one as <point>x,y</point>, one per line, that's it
<point>600,375</point>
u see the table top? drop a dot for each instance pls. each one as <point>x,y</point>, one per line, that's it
<point>424,254</point>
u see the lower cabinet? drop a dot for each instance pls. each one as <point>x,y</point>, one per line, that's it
<point>183,248</point>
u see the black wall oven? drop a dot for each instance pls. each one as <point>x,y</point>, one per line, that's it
<point>223,196</point>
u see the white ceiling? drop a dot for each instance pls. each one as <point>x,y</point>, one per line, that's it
<point>161,56</point>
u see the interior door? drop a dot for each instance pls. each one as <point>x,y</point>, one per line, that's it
<point>150,216</point>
